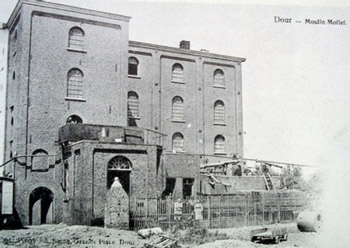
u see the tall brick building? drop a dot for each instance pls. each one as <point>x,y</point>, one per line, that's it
<point>85,104</point>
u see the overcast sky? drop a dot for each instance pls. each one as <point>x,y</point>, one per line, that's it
<point>295,80</point>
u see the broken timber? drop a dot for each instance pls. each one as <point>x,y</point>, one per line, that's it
<point>162,242</point>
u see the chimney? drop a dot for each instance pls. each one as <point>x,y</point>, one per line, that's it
<point>185,44</point>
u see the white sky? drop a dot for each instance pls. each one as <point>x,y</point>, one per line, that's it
<point>295,80</point>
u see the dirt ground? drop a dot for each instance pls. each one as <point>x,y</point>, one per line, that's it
<point>84,236</point>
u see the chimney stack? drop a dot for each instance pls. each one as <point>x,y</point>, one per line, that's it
<point>185,44</point>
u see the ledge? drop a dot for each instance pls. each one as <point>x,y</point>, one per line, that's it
<point>220,124</point>
<point>219,86</point>
<point>179,121</point>
<point>178,82</point>
<point>220,153</point>
<point>70,49</point>
<point>75,99</point>
<point>134,76</point>
<point>134,117</point>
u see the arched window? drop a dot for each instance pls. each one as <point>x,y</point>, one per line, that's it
<point>120,167</point>
<point>133,105</point>
<point>219,144</point>
<point>177,109</point>
<point>178,142</point>
<point>74,119</point>
<point>177,73</point>
<point>219,78</point>
<point>75,83</point>
<point>120,163</point>
<point>219,112</point>
<point>76,38</point>
<point>133,66</point>
<point>40,160</point>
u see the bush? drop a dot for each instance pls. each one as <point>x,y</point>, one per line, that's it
<point>196,235</point>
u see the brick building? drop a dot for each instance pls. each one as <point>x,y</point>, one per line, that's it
<point>85,104</point>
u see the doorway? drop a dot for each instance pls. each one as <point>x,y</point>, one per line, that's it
<point>41,206</point>
<point>119,167</point>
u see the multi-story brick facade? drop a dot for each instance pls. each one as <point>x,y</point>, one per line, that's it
<point>145,113</point>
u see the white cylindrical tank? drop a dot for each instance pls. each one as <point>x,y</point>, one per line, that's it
<point>309,221</point>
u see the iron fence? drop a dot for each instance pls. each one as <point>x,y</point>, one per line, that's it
<point>219,211</point>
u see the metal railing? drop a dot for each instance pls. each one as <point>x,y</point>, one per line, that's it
<point>221,211</point>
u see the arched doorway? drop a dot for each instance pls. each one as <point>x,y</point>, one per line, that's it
<point>40,206</point>
<point>120,167</point>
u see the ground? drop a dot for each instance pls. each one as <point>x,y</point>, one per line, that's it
<point>84,236</point>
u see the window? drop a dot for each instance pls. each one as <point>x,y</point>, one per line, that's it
<point>133,105</point>
<point>11,147</point>
<point>178,109</point>
<point>74,119</point>
<point>219,112</point>
<point>119,167</point>
<point>40,160</point>
<point>75,84</point>
<point>133,66</point>
<point>178,142</point>
<point>76,38</point>
<point>219,78</point>
<point>177,73</point>
<point>187,184</point>
<point>219,144</point>
<point>14,75</point>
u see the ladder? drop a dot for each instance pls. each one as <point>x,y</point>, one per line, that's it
<point>268,181</point>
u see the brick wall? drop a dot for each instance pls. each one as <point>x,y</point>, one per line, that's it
<point>88,184</point>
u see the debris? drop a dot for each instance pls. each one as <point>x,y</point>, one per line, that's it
<point>162,241</point>
<point>146,233</point>
<point>274,234</point>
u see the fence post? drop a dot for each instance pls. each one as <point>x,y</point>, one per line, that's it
<point>246,214</point>
<point>208,200</point>
<point>255,212</point>
<point>279,207</point>
<point>263,208</point>
<point>220,197</point>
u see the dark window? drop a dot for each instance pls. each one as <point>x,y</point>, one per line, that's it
<point>169,187</point>
<point>119,167</point>
<point>133,66</point>
<point>187,187</point>
<point>74,119</point>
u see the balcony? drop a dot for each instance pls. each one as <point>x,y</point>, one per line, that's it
<point>133,135</point>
